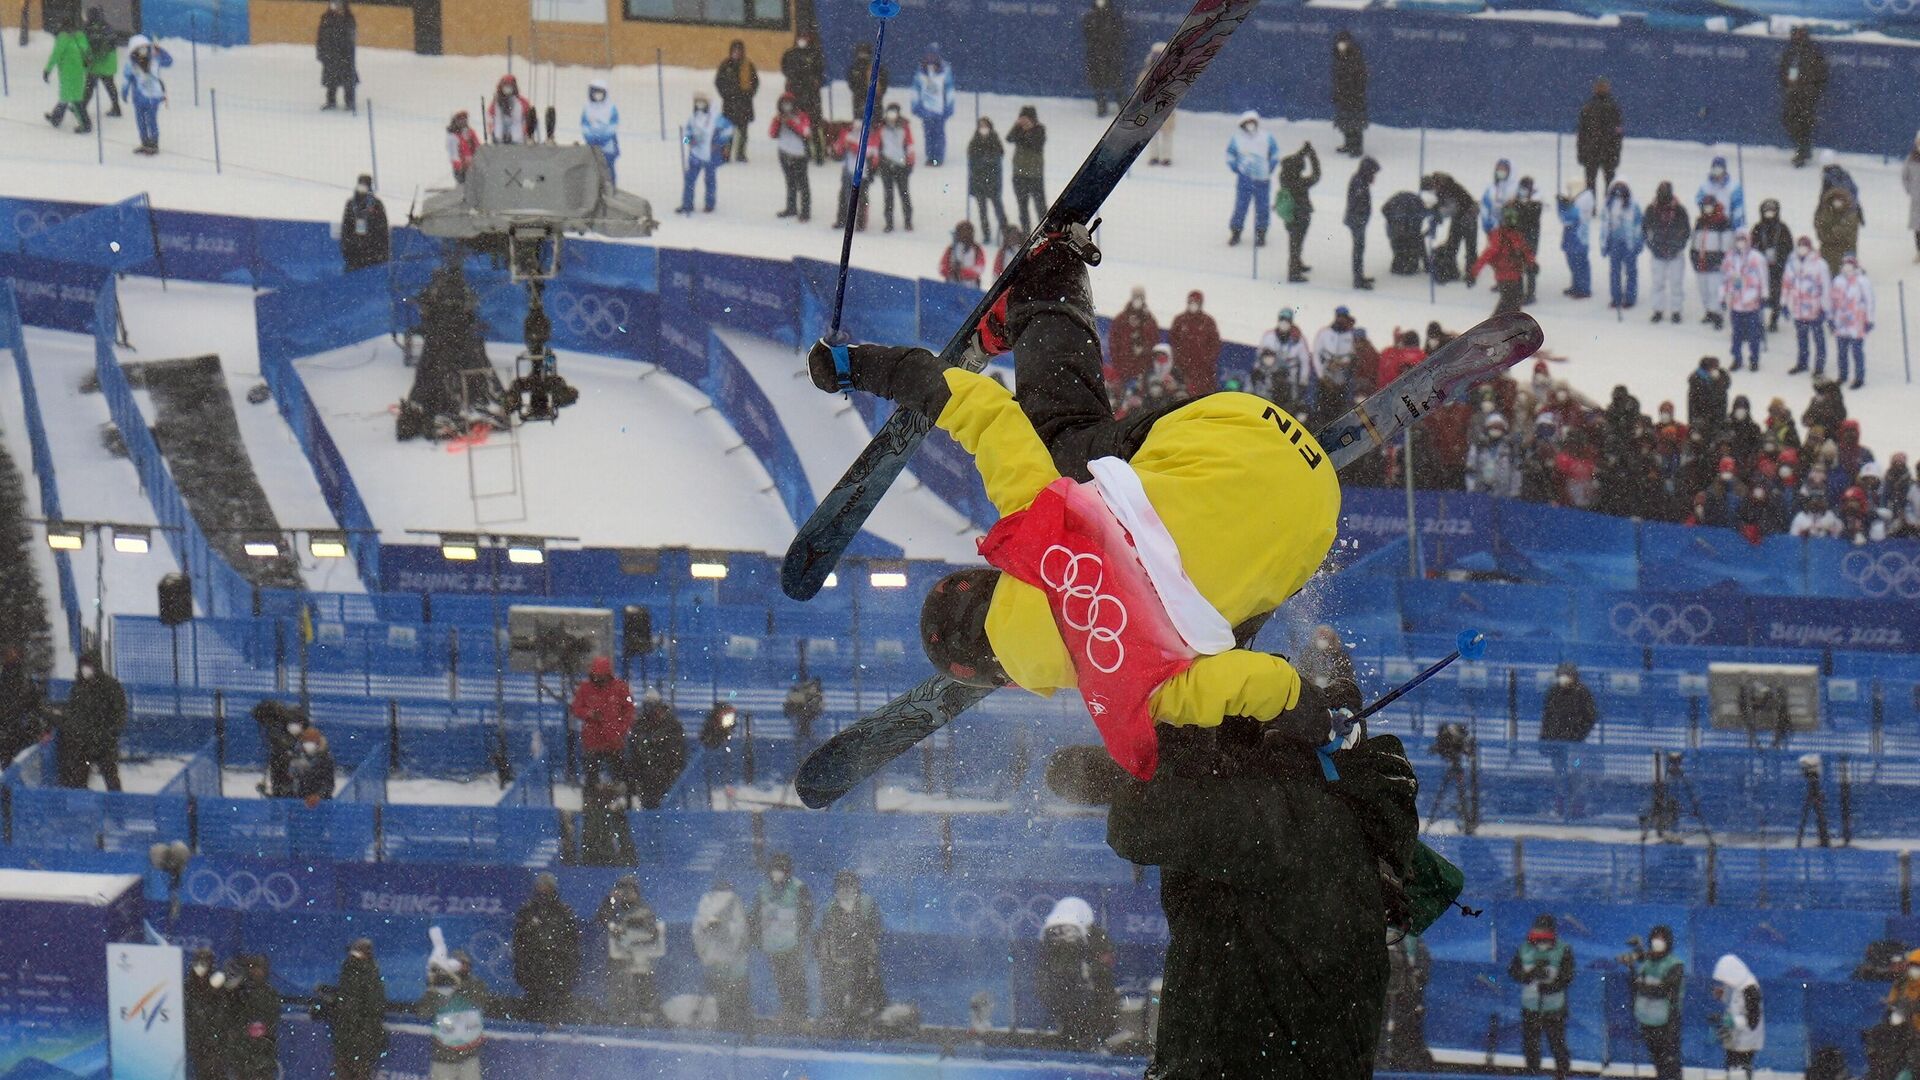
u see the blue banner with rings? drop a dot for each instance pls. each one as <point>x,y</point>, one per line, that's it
<point>756,295</point>
<point>604,320</point>
<point>119,237</point>
<point>1889,570</point>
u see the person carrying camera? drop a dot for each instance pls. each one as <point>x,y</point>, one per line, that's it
<point>1658,976</point>
<point>1742,1028</point>
<point>354,1009</point>
<point>1544,968</point>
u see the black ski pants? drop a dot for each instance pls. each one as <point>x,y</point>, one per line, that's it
<point>1554,1026</point>
<point>1029,189</point>
<point>1663,1046</point>
<point>1057,368</point>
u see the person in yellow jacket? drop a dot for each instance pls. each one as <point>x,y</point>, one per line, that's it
<point>1245,501</point>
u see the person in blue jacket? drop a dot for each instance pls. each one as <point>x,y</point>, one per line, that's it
<point>1253,155</point>
<point>933,102</point>
<point>600,124</point>
<point>706,136</point>
<point>1576,215</point>
<point>1621,240</point>
<point>1727,192</point>
<point>146,91</point>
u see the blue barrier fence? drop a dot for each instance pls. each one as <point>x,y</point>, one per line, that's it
<point>12,333</point>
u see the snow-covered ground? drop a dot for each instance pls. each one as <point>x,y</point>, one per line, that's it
<point>433,791</point>
<point>640,460</point>
<point>142,776</point>
<point>1165,227</point>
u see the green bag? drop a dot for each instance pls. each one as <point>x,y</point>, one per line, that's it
<point>1283,206</point>
<point>1433,884</point>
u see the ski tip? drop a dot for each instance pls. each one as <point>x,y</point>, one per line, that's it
<point>797,577</point>
<point>816,789</point>
<point>1472,644</point>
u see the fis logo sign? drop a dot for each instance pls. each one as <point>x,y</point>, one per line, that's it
<point>151,1009</point>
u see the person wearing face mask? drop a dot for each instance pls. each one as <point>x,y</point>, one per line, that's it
<point>1567,716</point>
<point>1283,363</point>
<point>1726,191</point>
<point>205,1008</point>
<point>1743,435</point>
<point>1668,230</point>
<point>933,102</point>
<point>1742,1026</point>
<point>1498,194</point>
<point>462,143</point>
<point>852,992</point>
<point>146,90</point>
<point>1349,93</point>
<point>805,68</point>
<point>1803,80</point>
<point>846,148</point>
<point>1160,151</point>
<point>1526,208</point>
<point>90,726</point>
<point>335,46</point>
<point>1744,291</point>
<point>1600,133</point>
<point>1814,519</point>
<point>1299,172</point>
<point>1104,31</point>
<point>1507,252</point>
<point>1577,212</point>
<point>896,165</point>
<point>1774,241</point>
<point>280,726</point>
<point>511,118</point>
<point>1131,338</point>
<point>782,920</point>
<point>707,137</point>
<point>455,1007</point>
<point>1491,467</point>
<point>252,1037</point>
<point>312,769</point>
<point>1074,976</point>
<point>1544,968</point>
<point>1658,980</point>
<point>1359,212</point>
<point>985,153</point>
<point>1712,239</point>
<point>791,131</point>
<point>1195,340</point>
<point>964,261</point>
<point>737,81</point>
<point>636,940</point>
<point>721,939</point>
<point>364,237</point>
<point>1850,314</point>
<point>603,705</point>
<point>1805,289</point>
<point>355,1012</point>
<point>1622,235</point>
<point>1836,222</point>
<point>1253,155</point>
<point>600,125</point>
<point>1452,204</point>
<point>546,952</point>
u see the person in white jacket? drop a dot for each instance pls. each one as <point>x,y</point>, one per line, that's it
<point>933,102</point>
<point>1253,155</point>
<point>1743,287</point>
<point>600,124</point>
<point>1743,1026</point>
<point>1283,367</point>
<point>1803,291</point>
<point>1814,519</point>
<point>706,134</point>
<point>1490,463</point>
<point>1850,313</point>
<point>720,941</point>
<point>1502,191</point>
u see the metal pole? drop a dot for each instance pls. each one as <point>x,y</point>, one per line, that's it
<point>373,149</point>
<point>193,45</point>
<point>99,128</point>
<point>1413,538</point>
<point>1423,152</point>
<point>510,56</point>
<point>99,587</point>
<point>1906,357</point>
<point>213,105</point>
<point>660,84</point>
<point>5,88</point>
<point>1558,138</point>
<point>1740,162</point>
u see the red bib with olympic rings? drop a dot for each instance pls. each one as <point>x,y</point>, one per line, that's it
<point>1124,647</point>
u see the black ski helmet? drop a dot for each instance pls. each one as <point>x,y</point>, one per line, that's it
<point>953,628</point>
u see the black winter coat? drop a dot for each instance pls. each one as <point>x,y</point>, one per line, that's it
<point>335,47</point>
<point>1074,982</point>
<point>364,237</point>
<point>1404,213</point>
<point>1707,402</point>
<point>19,711</point>
<point>657,752</point>
<point>359,1003</point>
<point>984,155</point>
<point>1774,241</point>
<point>736,98</point>
<point>1029,151</point>
<point>546,946</point>
<point>1360,195</point>
<point>1299,171</point>
<point>1668,229</point>
<point>859,70</point>
<point>312,777</point>
<point>1601,130</point>
<point>1349,84</point>
<point>1105,33</point>
<point>252,1037</point>
<point>806,72</point>
<point>96,713</point>
<point>205,1022</point>
<point>1810,60</point>
<point>1569,714</point>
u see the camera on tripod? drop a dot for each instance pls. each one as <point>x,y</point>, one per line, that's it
<point>1636,952</point>
<point>1453,743</point>
<point>1810,766</point>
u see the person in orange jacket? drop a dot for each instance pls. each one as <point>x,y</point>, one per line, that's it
<point>604,707</point>
<point>1508,254</point>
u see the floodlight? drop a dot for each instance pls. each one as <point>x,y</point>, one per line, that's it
<point>128,540</point>
<point>263,546</point>
<point>459,548</point>
<point>64,537</point>
<point>888,579</point>
<point>327,546</point>
<point>526,553</point>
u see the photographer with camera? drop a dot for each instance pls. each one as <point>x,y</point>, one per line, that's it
<point>805,703</point>
<point>1742,1027</point>
<point>1658,978</point>
<point>657,751</point>
<point>281,726</point>
<point>354,1007</point>
<point>1901,1042</point>
<point>1544,968</point>
<point>1567,717</point>
<point>604,706</point>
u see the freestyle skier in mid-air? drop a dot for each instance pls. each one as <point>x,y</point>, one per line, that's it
<point>1133,559</point>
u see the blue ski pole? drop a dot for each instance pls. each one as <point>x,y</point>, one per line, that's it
<point>1471,644</point>
<point>883,12</point>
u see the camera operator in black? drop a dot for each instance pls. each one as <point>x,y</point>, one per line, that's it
<point>1567,716</point>
<point>806,701</point>
<point>1544,968</point>
<point>281,726</point>
<point>1658,978</point>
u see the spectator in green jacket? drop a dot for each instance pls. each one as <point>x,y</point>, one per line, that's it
<point>454,1007</point>
<point>782,918</point>
<point>69,57</point>
<point>1543,966</point>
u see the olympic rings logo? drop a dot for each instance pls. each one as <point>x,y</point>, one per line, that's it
<point>244,890</point>
<point>1888,573</point>
<point>1661,624</point>
<point>1011,914</point>
<point>490,953</point>
<point>1100,615</point>
<point>28,223</point>
<point>605,318</point>
<point>1894,7</point>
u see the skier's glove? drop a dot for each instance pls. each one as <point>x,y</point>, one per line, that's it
<point>911,377</point>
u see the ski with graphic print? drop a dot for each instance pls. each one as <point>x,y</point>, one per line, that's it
<point>1481,353</point>
<point>820,543</point>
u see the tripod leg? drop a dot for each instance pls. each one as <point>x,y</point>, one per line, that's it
<point>1820,819</point>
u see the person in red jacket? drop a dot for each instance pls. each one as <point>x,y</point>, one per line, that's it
<point>1508,254</point>
<point>1403,354</point>
<point>1195,338</point>
<point>604,707</point>
<point>1131,339</point>
<point>964,260</point>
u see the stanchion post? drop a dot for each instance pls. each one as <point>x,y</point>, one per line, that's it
<point>213,106</point>
<point>373,148</point>
<point>99,128</point>
<point>1906,356</point>
<point>660,88</point>
<point>193,50</point>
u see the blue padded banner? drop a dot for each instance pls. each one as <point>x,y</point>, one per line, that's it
<point>118,237</point>
<point>1889,570</point>
<point>54,295</point>
<point>206,247</point>
<point>944,308</point>
<point>757,295</point>
<point>1675,558</point>
<point>740,399</point>
<point>623,266</point>
<point>1570,547</point>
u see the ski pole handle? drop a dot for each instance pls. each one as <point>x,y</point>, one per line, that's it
<point>1471,644</point>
